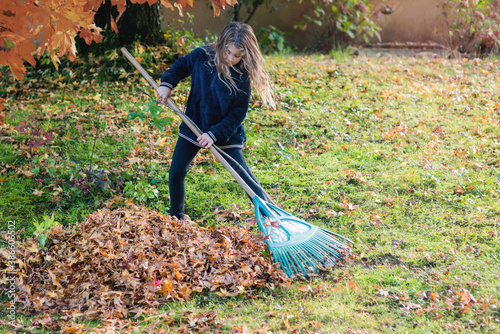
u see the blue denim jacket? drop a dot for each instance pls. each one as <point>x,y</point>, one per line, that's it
<point>211,104</point>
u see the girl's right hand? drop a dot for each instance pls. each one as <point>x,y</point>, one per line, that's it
<point>163,93</point>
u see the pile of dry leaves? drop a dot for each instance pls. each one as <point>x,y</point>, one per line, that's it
<point>131,259</point>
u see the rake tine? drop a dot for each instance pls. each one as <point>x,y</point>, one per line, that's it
<point>277,259</point>
<point>331,242</point>
<point>314,255</point>
<point>319,249</point>
<point>322,252</point>
<point>336,253</point>
<point>340,249</point>
<point>327,236</point>
<point>290,260</point>
<point>283,262</point>
<point>306,257</point>
<point>333,251</point>
<point>297,255</point>
<point>311,254</point>
<point>339,236</point>
<point>301,256</point>
<point>300,270</point>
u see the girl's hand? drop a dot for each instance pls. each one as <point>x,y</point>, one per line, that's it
<point>205,140</point>
<point>163,93</point>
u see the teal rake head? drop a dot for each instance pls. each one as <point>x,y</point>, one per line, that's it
<point>299,247</point>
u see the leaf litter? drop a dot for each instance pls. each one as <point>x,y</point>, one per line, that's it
<point>130,260</point>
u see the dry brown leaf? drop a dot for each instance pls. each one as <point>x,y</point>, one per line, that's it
<point>132,259</point>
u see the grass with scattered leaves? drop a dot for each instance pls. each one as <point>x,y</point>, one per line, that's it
<point>400,155</point>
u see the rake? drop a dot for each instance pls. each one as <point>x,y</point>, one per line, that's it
<point>301,249</point>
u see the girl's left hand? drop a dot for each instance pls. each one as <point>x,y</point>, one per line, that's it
<point>205,140</point>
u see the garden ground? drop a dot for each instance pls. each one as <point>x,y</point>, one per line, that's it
<point>400,155</point>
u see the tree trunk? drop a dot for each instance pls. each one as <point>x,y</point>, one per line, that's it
<point>251,6</point>
<point>141,23</point>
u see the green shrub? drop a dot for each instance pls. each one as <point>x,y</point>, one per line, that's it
<point>341,21</point>
<point>140,191</point>
<point>272,39</point>
<point>474,25</point>
<point>42,229</point>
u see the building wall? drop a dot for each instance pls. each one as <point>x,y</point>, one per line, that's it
<point>205,20</point>
<point>410,21</point>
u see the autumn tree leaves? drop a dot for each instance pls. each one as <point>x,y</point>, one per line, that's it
<point>28,28</point>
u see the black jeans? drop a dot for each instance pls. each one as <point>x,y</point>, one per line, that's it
<point>184,153</point>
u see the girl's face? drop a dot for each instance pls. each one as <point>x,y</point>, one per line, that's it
<point>232,55</point>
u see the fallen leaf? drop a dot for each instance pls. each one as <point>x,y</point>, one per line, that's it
<point>132,258</point>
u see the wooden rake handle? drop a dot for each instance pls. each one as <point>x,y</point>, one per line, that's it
<point>190,124</point>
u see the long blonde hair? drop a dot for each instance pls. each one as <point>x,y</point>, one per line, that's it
<point>243,38</point>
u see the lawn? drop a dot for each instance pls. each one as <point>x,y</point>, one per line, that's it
<point>400,155</point>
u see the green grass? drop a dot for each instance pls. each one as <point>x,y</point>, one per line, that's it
<point>400,155</point>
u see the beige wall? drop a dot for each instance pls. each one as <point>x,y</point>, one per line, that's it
<point>411,20</point>
<point>204,19</point>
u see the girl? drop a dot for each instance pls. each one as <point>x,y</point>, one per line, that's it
<point>221,76</point>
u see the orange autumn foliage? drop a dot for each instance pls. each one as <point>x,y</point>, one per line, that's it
<point>28,28</point>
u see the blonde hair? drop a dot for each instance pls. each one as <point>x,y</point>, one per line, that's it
<point>243,38</point>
